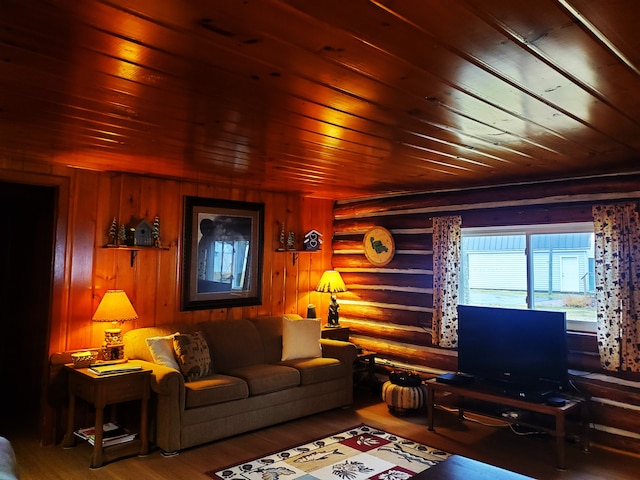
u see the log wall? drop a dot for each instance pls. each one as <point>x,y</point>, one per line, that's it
<point>389,309</point>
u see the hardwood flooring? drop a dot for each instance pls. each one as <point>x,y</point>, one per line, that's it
<point>529,455</point>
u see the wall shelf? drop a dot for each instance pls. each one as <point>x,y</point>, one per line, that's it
<point>134,250</point>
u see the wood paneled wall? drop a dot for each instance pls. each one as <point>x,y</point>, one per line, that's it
<point>389,309</point>
<point>83,270</point>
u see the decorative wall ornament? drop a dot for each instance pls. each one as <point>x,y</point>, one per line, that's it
<point>379,246</point>
<point>312,240</point>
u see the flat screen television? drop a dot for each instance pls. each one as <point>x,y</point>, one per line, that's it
<point>520,349</point>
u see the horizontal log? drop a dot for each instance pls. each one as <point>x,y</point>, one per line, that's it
<point>385,316</point>
<point>612,440</point>
<point>396,279</point>
<point>427,357</point>
<point>412,337</point>
<point>392,221</point>
<point>582,361</point>
<point>582,342</point>
<point>526,194</point>
<point>407,241</point>
<point>421,261</point>
<point>614,416</point>
<point>408,299</point>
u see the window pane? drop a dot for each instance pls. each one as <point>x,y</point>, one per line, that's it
<point>563,274</point>
<point>494,271</point>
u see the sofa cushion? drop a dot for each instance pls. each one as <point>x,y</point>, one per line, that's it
<point>193,356</point>
<point>266,378</point>
<point>233,343</point>
<point>270,330</point>
<point>300,338</point>
<point>317,370</point>
<point>162,351</point>
<point>214,389</point>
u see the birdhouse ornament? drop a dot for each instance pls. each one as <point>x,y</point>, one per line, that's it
<point>312,240</point>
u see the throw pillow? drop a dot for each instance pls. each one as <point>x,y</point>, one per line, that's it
<point>193,355</point>
<point>162,352</point>
<point>300,338</point>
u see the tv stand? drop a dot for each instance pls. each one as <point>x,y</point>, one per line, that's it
<point>488,402</point>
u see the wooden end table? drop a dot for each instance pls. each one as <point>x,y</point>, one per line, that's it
<point>103,390</point>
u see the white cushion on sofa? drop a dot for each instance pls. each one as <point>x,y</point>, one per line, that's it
<point>162,350</point>
<point>300,338</point>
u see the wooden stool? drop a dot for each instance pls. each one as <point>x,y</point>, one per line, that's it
<point>401,399</point>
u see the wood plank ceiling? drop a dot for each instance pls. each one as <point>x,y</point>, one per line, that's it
<point>331,98</point>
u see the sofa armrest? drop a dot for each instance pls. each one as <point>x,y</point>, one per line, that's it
<point>346,352</point>
<point>168,386</point>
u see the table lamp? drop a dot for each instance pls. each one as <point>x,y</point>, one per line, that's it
<point>116,308</point>
<point>331,282</point>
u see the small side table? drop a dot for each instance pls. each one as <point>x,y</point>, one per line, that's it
<point>103,390</point>
<point>366,367</point>
<point>336,333</point>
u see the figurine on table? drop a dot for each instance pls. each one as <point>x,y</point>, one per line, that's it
<point>333,312</point>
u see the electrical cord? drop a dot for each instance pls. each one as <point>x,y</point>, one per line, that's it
<point>498,424</point>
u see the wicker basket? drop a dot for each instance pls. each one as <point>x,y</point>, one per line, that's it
<point>84,359</point>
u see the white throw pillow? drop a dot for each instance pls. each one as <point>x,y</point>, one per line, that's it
<point>162,351</point>
<point>300,338</point>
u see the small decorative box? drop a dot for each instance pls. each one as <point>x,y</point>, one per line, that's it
<point>84,359</point>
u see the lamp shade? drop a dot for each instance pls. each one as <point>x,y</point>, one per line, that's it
<point>331,282</point>
<point>115,307</point>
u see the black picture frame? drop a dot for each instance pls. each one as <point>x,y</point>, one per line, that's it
<point>223,244</point>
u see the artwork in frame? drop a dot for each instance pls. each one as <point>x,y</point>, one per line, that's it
<point>223,253</point>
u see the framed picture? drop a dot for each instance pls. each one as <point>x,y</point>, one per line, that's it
<point>223,253</point>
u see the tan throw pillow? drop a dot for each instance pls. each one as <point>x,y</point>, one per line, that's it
<point>300,338</point>
<point>192,353</point>
<point>162,352</point>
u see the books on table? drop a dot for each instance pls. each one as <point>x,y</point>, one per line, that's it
<point>114,368</point>
<point>113,434</point>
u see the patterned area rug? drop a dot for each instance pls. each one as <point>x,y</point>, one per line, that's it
<point>359,453</point>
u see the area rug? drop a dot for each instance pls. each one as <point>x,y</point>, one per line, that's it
<point>362,452</point>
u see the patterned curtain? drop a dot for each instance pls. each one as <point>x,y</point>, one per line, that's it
<point>446,272</point>
<point>617,275</point>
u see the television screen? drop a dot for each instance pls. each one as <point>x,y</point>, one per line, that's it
<point>524,348</point>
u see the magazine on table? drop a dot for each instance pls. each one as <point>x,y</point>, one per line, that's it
<point>109,369</point>
<point>112,434</point>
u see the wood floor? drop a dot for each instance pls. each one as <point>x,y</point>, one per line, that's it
<point>529,455</point>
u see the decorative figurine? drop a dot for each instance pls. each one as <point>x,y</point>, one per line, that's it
<point>333,318</point>
<point>113,232</point>
<point>291,241</point>
<point>122,235</point>
<point>282,240</point>
<point>156,232</point>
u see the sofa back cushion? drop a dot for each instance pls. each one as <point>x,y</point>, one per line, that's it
<point>233,344</point>
<point>270,330</point>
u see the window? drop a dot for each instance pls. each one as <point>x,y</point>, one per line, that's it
<point>543,267</point>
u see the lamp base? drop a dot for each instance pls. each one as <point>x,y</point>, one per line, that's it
<point>113,352</point>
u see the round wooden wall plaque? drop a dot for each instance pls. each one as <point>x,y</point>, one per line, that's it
<point>379,246</point>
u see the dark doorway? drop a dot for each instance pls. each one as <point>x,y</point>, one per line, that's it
<point>26,265</point>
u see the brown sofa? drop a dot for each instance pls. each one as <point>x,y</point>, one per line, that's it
<point>250,387</point>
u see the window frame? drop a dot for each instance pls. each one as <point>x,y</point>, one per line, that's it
<point>537,229</point>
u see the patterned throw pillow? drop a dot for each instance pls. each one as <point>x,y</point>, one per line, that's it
<point>192,353</point>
